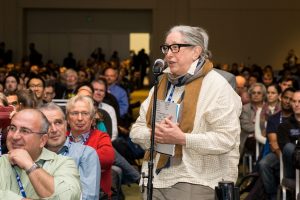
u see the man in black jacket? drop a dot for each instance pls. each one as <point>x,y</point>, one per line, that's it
<point>288,133</point>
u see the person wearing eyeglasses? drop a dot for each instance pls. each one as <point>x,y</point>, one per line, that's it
<point>30,171</point>
<point>258,94</point>
<point>37,85</point>
<point>80,117</point>
<point>207,133</point>
<point>85,157</point>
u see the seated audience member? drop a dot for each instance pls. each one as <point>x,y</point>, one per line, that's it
<point>30,171</point>
<point>82,77</point>
<point>85,157</point>
<point>240,84</point>
<point>12,99</point>
<point>11,82</point>
<point>111,75</point>
<point>268,78</point>
<point>269,165</point>
<point>247,119</point>
<point>245,97</point>
<point>49,92</point>
<point>99,87</point>
<point>71,78</point>
<point>26,99</point>
<point>253,78</point>
<point>287,134</point>
<point>22,99</point>
<point>3,100</point>
<point>37,85</point>
<point>271,106</point>
<point>129,173</point>
<point>286,82</point>
<point>103,121</point>
<point>80,116</point>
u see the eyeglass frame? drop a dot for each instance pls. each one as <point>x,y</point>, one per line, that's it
<point>21,130</point>
<point>36,86</point>
<point>83,114</point>
<point>256,92</point>
<point>170,47</point>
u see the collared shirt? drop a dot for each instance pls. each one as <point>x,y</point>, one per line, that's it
<point>82,138</point>
<point>88,164</point>
<point>63,169</point>
<point>121,97</point>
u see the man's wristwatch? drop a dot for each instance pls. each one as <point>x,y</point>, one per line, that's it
<point>32,168</point>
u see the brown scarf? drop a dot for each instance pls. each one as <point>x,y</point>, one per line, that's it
<point>188,110</point>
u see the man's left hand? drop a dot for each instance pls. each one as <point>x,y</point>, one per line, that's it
<point>168,132</point>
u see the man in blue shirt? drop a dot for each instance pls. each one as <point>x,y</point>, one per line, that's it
<point>85,157</point>
<point>111,76</point>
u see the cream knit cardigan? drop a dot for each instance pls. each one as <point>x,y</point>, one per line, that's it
<point>211,153</point>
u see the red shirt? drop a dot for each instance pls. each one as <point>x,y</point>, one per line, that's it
<point>101,142</point>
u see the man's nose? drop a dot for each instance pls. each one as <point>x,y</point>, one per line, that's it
<point>52,127</point>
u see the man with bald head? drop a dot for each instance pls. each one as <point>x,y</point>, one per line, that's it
<point>240,84</point>
<point>29,171</point>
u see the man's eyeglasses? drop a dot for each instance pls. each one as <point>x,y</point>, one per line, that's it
<point>22,130</point>
<point>256,92</point>
<point>36,86</point>
<point>175,48</point>
<point>83,114</point>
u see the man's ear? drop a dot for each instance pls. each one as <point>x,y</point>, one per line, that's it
<point>44,139</point>
<point>197,52</point>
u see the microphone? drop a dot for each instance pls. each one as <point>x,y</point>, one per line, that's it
<point>158,66</point>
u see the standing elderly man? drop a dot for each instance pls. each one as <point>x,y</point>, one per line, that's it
<point>80,116</point>
<point>85,157</point>
<point>31,171</point>
<point>207,134</point>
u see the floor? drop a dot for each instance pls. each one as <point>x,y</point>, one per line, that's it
<point>132,192</point>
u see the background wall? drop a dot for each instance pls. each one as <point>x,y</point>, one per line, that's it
<point>254,31</point>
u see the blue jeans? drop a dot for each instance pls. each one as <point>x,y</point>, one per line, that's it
<point>129,173</point>
<point>269,167</point>
<point>287,157</point>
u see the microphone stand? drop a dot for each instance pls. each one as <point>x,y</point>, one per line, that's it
<point>156,72</point>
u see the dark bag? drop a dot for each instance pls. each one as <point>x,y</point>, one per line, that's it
<point>253,186</point>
